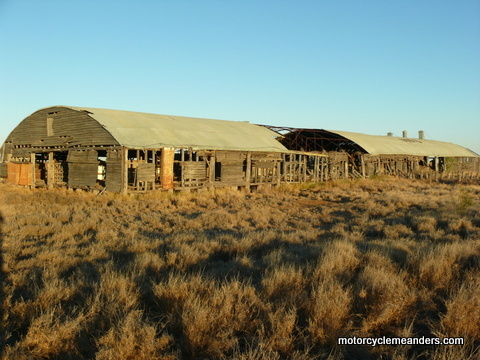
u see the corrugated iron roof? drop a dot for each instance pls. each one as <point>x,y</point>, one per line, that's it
<point>377,144</point>
<point>144,130</point>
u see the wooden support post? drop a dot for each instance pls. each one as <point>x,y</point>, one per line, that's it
<point>211,170</point>
<point>182,167</point>
<point>323,176</point>
<point>136,183</point>
<point>289,177</point>
<point>32,160</point>
<point>50,170</point>
<point>248,171</point>
<point>166,164</point>
<point>362,165</point>
<point>304,162</point>
<point>124,170</point>
<point>279,170</point>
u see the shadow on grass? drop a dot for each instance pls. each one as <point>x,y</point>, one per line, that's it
<point>228,265</point>
<point>2,284</point>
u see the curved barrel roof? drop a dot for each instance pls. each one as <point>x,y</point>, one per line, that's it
<point>144,130</point>
<point>376,145</point>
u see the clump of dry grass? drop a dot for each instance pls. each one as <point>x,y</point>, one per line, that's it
<point>276,273</point>
<point>284,284</point>
<point>385,299</point>
<point>462,317</point>
<point>133,338</point>
<point>330,313</point>
<point>440,267</point>
<point>339,261</point>
<point>48,336</point>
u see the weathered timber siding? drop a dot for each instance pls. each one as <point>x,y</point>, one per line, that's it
<point>194,173</point>
<point>113,171</point>
<point>146,172</point>
<point>82,168</point>
<point>230,167</point>
<point>69,128</point>
<point>82,175</point>
<point>3,170</point>
<point>21,153</point>
<point>83,156</point>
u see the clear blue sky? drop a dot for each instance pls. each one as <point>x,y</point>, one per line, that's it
<point>363,66</point>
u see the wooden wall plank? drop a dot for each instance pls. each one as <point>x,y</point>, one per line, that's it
<point>83,156</point>
<point>81,175</point>
<point>69,126</point>
<point>113,171</point>
<point>146,172</point>
<point>3,170</point>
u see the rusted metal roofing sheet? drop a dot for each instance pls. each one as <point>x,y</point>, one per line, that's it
<point>376,145</point>
<point>143,130</point>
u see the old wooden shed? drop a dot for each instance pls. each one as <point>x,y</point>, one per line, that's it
<point>367,155</point>
<point>121,151</point>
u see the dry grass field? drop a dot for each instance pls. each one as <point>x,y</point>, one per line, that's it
<point>272,274</point>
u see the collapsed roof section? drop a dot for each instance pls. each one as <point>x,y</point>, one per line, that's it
<point>320,140</point>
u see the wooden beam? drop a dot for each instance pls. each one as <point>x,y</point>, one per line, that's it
<point>279,170</point>
<point>211,169</point>
<point>32,159</point>
<point>182,159</point>
<point>248,172</point>
<point>124,170</point>
<point>304,161</point>
<point>362,164</point>
<point>50,170</point>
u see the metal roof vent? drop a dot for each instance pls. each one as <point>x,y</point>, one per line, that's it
<point>405,133</point>
<point>390,134</point>
<point>421,134</point>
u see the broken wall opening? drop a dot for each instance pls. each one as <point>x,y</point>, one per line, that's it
<point>192,168</point>
<point>143,169</point>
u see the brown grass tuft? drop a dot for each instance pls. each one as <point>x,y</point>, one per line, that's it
<point>330,313</point>
<point>132,338</point>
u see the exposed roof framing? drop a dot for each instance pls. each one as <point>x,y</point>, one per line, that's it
<point>314,140</point>
<point>331,140</point>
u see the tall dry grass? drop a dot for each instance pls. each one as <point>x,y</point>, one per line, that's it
<point>273,274</point>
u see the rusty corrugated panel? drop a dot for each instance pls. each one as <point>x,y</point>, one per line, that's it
<point>13,173</point>
<point>20,174</point>
<point>166,167</point>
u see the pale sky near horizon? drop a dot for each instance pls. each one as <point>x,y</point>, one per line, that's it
<point>371,66</point>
